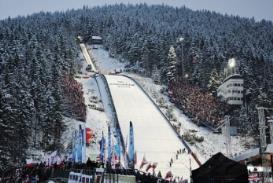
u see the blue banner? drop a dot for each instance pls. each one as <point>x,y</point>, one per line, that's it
<point>83,135</point>
<point>131,147</point>
<point>117,150</point>
<point>79,145</point>
<point>109,146</point>
<point>74,147</point>
<point>102,148</point>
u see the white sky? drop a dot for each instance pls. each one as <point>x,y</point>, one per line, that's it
<point>259,9</point>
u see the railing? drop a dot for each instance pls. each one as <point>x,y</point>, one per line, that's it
<point>180,138</point>
<point>116,121</point>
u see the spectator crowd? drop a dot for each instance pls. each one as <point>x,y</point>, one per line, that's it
<point>198,104</point>
<point>73,97</point>
<point>41,172</point>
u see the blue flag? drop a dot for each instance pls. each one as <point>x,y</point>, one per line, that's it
<point>117,150</point>
<point>102,147</point>
<point>79,144</point>
<point>131,147</point>
<point>109,145</point>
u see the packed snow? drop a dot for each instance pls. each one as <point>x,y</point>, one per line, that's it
<point>87,56</point>
<point>212,143</point>
<point>154,137</point>
<point>104,63</point>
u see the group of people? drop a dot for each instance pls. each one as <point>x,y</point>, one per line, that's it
<point>198,103</point>
<point>33,173</point>
<point>41,172</point>
<point>179,152</point>
<point>74,97</point>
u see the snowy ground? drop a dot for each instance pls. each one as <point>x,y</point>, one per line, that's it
<point>154,137</point>
<point>103,62</point>
<point>71,125</point>
<point>212,143</point>
<point>96,97</point>
<point>95,120</point>
<point>87,56</point>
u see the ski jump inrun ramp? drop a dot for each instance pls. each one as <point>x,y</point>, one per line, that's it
<point>154,137</point>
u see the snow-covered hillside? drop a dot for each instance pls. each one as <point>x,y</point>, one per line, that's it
<point>212,143</point>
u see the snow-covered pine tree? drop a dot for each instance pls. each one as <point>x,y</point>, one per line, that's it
<point>171,67</point>
<point>245,124</point>
<point>214,81</point>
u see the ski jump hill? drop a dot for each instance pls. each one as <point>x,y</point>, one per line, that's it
<point>154,136</point>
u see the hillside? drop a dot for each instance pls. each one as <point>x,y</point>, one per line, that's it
<point>39,53</point>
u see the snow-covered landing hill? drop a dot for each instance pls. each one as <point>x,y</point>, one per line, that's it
<point>212,143</point>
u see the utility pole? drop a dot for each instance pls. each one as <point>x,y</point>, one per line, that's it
<point>270,122</point>
<point>262,128</point>
<point>190,168</point>
<point>263,144</point>
<point>227,135</point>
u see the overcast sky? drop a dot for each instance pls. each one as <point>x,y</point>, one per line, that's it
<point>259,9</point>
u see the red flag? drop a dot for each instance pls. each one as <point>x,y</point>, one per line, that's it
<point>148,167</point>
<point>143,162</point>
<point>168,175</point>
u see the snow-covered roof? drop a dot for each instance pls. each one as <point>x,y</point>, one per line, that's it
<point>253,152</point>
<point>247,154</point>
<point>233,76</point>
<point>269,148</point>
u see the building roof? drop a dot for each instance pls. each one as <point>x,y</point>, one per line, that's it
<point>234,76</point>
<point>252,153</point>
<point>247,154</point>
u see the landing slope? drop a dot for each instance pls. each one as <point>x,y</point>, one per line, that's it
<point>154,137</point>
